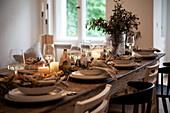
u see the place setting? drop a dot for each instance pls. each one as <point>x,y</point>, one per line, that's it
<point>35,80</point>
<point>146,53</point>
<point>98,70</point>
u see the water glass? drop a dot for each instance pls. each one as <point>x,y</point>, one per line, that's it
<point>49,53</point>
<point>75,52</point>
<point>16,60</point>
<point>130,42</point>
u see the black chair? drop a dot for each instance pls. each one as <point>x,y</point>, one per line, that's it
<point>162,91</point>
<point>143,95</point>
<point>166,63</point>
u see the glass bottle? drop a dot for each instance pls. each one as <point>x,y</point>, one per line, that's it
<point>65,59</point>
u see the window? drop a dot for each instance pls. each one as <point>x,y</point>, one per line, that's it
<point>71,17</point>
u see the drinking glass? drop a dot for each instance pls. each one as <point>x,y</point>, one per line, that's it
<point>86,48</point>
<point>130,42</point>
<point>75,52</point>
<point>49,53</point>
<point>16,60</point>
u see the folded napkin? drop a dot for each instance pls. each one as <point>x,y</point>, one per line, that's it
<point>53,77</point>
<point>102,65</point>
<point>46,82</point>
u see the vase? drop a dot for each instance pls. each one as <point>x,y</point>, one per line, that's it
<point>118,43</point>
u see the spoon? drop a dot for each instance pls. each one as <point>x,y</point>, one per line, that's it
<point>70,93</point>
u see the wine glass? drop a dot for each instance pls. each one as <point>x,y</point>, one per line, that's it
<point>75,52</point>
<point>130,42</point>
<point>86,48</point>
<point>49,53</point>
<point>16,60</point>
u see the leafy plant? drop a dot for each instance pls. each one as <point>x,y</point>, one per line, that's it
<point>120,21</point>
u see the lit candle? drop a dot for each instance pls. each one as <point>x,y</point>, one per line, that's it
<point>43,69</point>
<point>96,54</point>
<point>54,66</point>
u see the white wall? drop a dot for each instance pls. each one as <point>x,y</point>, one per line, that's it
<point>159,40</point>
<point>168,33</point>
<point>144,10</point>
<point>19,26</point>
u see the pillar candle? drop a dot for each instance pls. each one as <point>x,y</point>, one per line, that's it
<point>54,66</point>
<point>43,69</point>
<point>95,54</point>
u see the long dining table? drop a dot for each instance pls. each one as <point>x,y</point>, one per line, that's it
<point>84,90</point>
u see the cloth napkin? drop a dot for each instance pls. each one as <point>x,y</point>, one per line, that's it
<point>102,65</point>
<point>46,81</point>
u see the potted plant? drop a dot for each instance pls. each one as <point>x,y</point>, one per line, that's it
<point>121,22</point>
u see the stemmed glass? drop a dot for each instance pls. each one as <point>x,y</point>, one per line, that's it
<point>49,53</point>
<point>16,60</point>
<point>86,48</point>
<point>75,52</point>
<point>130,42</point>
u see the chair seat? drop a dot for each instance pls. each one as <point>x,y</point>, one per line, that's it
<point>158,91</point>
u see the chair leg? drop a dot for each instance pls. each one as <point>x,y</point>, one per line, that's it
<point>123,108</point>
<point>148,110</point>
<point>157,104</point>
<point>143,108</point>
<point>136,107</point>
<point>164,105</point>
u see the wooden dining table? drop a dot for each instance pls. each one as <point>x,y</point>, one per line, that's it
<point>84,89</point>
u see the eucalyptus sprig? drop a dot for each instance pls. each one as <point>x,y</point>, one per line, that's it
<point>120,21</point>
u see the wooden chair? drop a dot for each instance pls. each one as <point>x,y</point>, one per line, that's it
<point>142,96</point>
<point>89,104</point>
<point>162,91</point>
<point>151,76</point>
<point>151,73</point>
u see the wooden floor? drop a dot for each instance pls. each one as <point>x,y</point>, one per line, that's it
<point>160,100</point>
<point>161,110</point>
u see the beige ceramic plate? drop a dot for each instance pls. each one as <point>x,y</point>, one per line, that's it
<point>31,72</point>
<point>16,96</point>
<point>126,65</point>
<point>150,56</point>
<point>78,75</point>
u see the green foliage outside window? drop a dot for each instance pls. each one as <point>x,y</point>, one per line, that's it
<point>72,18</point>
<point>94,9</point>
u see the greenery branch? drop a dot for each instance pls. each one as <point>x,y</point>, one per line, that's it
<point>120,21</point>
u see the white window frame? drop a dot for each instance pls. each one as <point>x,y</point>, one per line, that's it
<point>58,26</point>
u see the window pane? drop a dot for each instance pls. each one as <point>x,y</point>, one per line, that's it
<point>72,18</point>
<point>95,9</point>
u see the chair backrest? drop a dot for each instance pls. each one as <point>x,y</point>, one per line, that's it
<point>164,90</point>
<point>166,63</point>
<point>151,76</point>
<point>142,96</point>
<point>103,98</point>
<point>151,73</point>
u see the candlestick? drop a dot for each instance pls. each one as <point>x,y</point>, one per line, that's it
<point>54,66</point>
<point>43,69</point>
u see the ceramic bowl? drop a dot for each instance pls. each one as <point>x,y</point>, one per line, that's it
<point>124,61</point>
<point>145,52</point>
<point>90,72</point>
<point>37,90</point>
